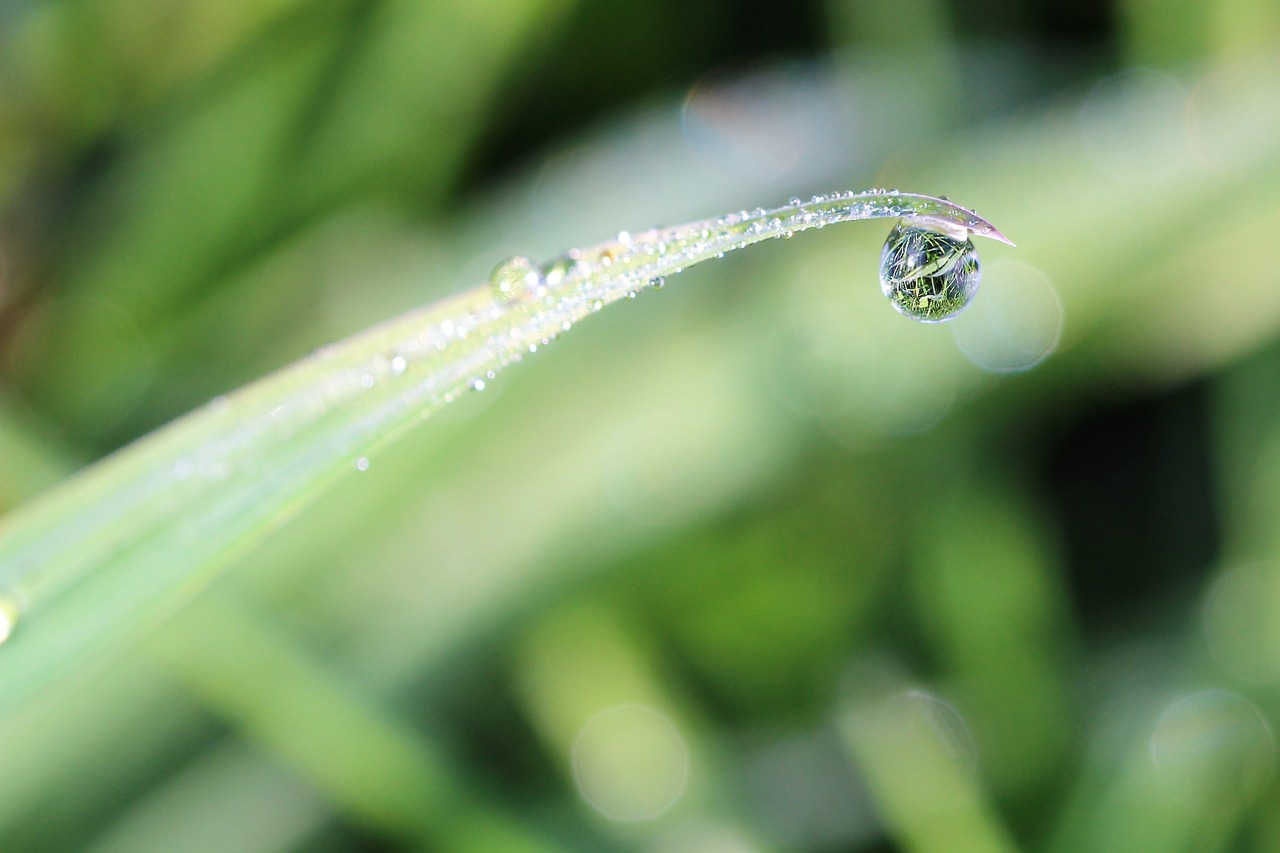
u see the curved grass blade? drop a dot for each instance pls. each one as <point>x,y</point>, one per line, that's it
<point>122,544</point>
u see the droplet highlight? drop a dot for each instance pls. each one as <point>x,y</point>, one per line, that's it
<point>514,278</point>
<point>927,274</point>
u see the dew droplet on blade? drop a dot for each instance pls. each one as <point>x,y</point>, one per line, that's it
<point>514,278</point>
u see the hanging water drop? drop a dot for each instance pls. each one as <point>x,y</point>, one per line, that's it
<point>927,274</point>
<point>514,278</point>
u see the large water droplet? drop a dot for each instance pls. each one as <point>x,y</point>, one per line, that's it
<point>514,278</point>
<point>928,275</point>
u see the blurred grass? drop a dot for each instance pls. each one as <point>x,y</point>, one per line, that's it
<point>740,501</point>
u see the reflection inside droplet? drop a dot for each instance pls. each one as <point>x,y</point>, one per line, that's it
<point>630,763</point>
<point>1213,750</point>
<point>927,274</point>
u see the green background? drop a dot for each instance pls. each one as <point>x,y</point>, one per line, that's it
<point>842,588</point>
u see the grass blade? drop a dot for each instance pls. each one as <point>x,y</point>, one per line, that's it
<point>117,547</point>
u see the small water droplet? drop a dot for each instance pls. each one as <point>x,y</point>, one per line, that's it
<point>362,464</point>
<point>793,201</point>
<point>398,364</point>
<point>514,278</point>
<point>556,271</point>
<point>659,281</point>
<point>928,275</point>
<point>477,384</point>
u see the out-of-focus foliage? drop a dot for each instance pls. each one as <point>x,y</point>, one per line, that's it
<point>751,564</point>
